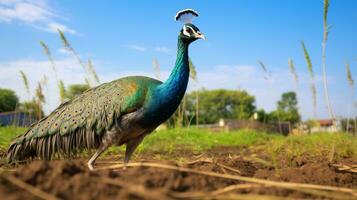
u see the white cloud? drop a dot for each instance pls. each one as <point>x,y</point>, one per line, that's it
<point>24,11</point>
<point>64,51</point>
<point>162,49</point>
<point>68,70</point>
<point>136,47</point>
<point>35,13</point>
<point>54,26</point>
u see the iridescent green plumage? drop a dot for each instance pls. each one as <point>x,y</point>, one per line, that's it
<point>94,112</point>
<point>96,108</point>
<point>120,112</point>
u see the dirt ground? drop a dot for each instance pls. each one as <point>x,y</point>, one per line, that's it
<point>70,179</point>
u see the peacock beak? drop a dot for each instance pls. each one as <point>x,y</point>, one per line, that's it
<point>200,36</point>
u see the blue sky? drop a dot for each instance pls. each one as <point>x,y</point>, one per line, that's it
<point>123,37</point>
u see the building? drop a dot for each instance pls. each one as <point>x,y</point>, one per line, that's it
<point>326,125</point>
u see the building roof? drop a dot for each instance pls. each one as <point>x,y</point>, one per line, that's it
<point>325,122</point>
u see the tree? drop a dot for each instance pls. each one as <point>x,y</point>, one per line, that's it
<point>220,103</point>
<point>288,102</point>
<point>32,108</point>
<point>75,90</point>
<point>287,108</point>
<point>8,100</point>
<point>263,116</point>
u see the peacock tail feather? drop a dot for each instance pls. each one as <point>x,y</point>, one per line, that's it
<point>80,123</point>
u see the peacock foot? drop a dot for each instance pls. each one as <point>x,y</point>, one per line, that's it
<point>90,166</point>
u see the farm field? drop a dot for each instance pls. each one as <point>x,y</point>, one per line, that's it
<point>195,164</point>
<point>222,100</point>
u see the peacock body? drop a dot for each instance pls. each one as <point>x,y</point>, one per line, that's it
<point>120,112</point>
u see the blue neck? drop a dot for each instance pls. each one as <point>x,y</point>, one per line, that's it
<point>167,96</point>
<point>175,86</point>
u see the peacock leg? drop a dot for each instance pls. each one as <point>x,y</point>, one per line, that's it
<point>130,148</point>
<point>95,156</point>
<point>110,137</point>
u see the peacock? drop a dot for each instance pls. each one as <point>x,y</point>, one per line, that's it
<point>121,112</point>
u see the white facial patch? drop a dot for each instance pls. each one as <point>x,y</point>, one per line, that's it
<point>186,32</point>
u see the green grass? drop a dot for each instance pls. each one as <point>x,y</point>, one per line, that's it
<point>198,140</point>
<point>322,145</point>
<point>175,141</point>
<point>328,146</point>
<point>7,134</point>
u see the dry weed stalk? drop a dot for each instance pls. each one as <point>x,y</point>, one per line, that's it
<point>326,30</point>
<point>293,71</point>
<point>156,66</point>
<point>25,82</point>
<point>267,76</point>
<point>93,71</point>
<point>89,69</point>
<point>351,84</point>
<point>62,91</point>
<point>312,76</point>
<point>47,52</point>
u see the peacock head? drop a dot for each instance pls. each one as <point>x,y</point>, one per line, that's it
<point>189,32</point>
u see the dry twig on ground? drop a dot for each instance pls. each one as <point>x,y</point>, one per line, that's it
<point>345,168</point>
<point>209,160</point>
<point>286,185</point>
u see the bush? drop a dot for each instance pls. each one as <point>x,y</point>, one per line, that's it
<point>8,100</point>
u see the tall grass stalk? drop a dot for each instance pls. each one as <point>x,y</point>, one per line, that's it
<point>156,66</point>
<point>47,52</point>
<point>312,76</point>
<point>266,73</point>
<point>193,76</point>
<point>93,71</point>
<point>193,71</point>
<point>62,91</point>
<point>40,99</point>
<point>27,87</point>
<point>351,85</point>
<point>267,77</point>
<point>25,82</point>
<point>326,28</point>
<point>86,80</point>
<point>44,81</point>
<point>293,71</point>
<point>197,109</point>
<point>69,48</point>
<point>295,77</point>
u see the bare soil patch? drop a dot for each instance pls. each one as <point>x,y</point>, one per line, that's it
<point>70,179</point>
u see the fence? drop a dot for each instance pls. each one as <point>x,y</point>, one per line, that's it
<point>231,125</point>
<point>16,119</point>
